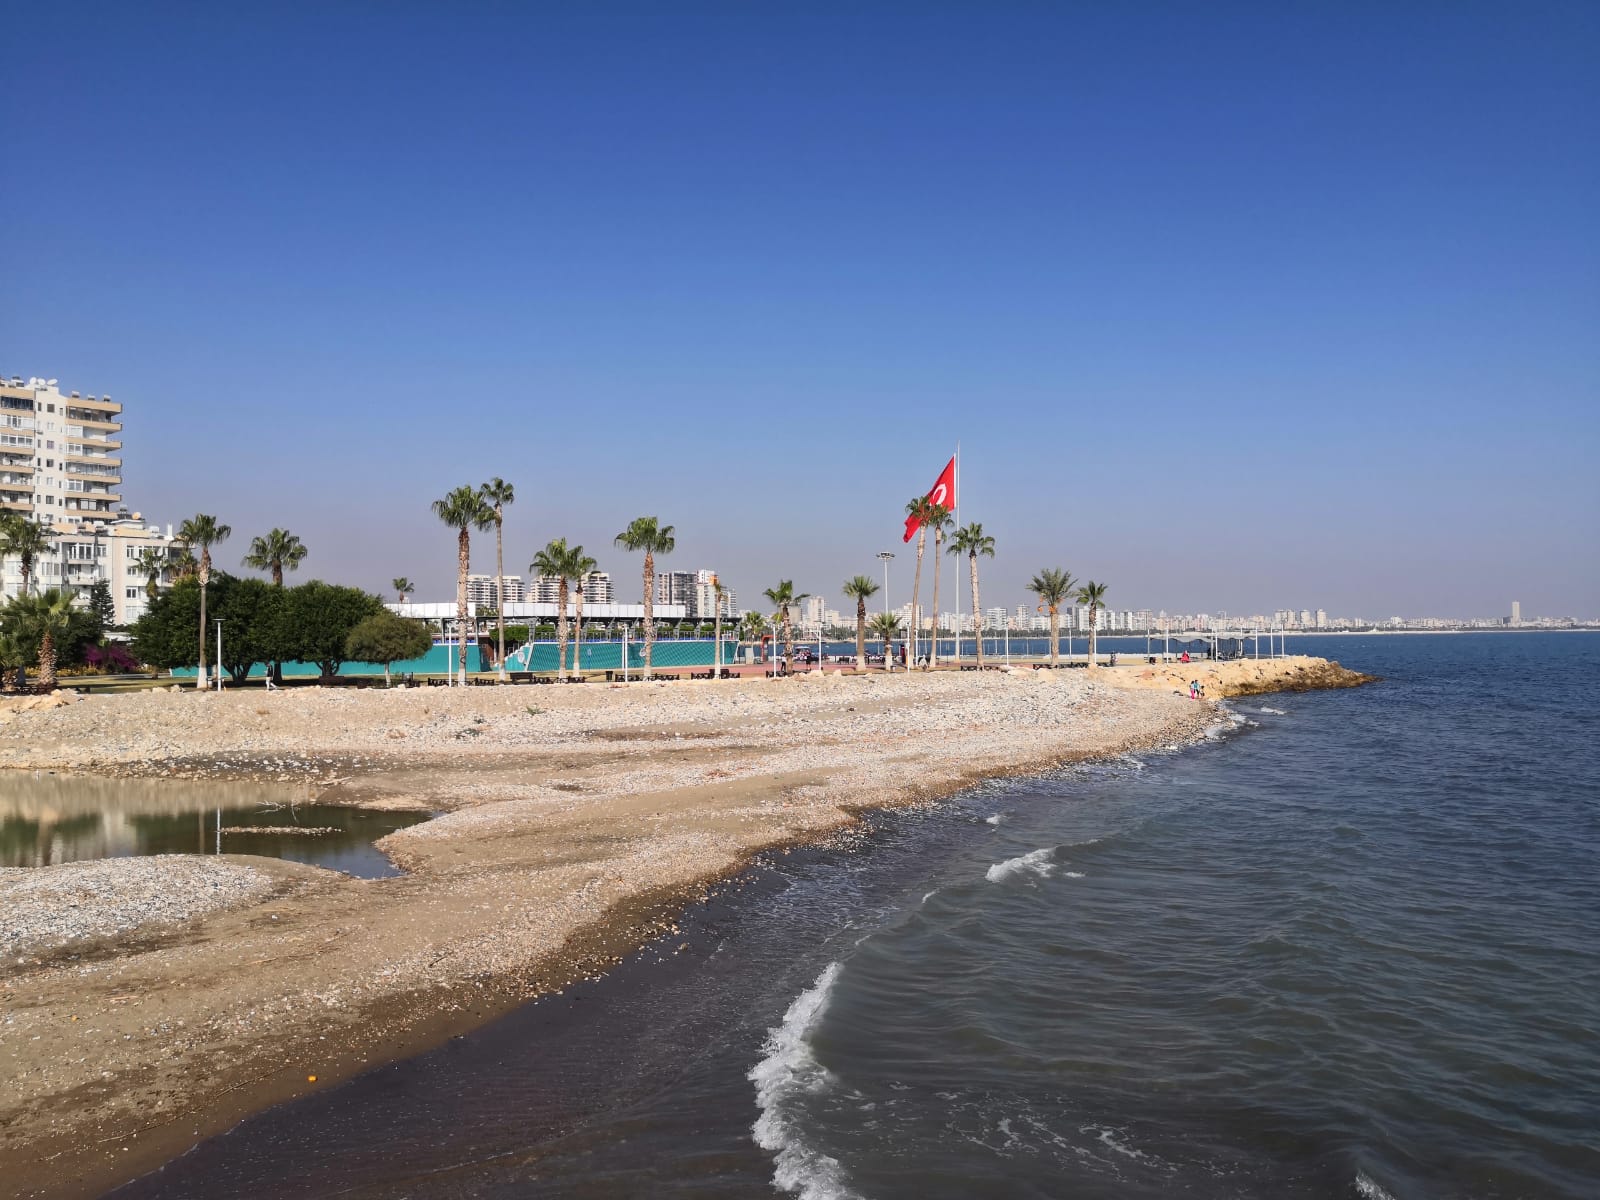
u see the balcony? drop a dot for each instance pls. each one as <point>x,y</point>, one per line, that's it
<point>91,419</point>
<point>101,470</point>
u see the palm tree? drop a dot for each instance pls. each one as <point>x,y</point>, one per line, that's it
<point>403,587</point>
<point>555,561</point>
<point>783,596</point>
<point>582,567</point>
<point>46,617</point>
<point>280,549</point>
<point>885,626</point>
<point>497,493</point>
<point>1094,595</point>
<point>181,563</point>
<point>938,520</point>
<point>920,508</point>
<point>1052,585</point>
<point>972,541</point>
<point>752,627</point>
<point>463,509</point>
<point>13,658</point>
<point>27,539</point>
<point>860,589</point>
<point>153,563</point>
<point>204,531</point>
<point>649,535</point>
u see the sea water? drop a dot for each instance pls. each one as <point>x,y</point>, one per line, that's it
<point>1349,947</point>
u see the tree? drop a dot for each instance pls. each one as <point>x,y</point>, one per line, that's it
<point>278,551</point>
<point>972,541</point>
<point>204,531</point>
<point>463,509</point>
<point>1052,585</point>
<point>752,627</point>
<point>557,561</point>
<point>717,591</point>
<point>919,508</point>
<point>1094,595</point>
<point>885,626</point>
<point>319,618</point>
<point>101,604</point>
<point>653,538</point>
<point>45,621</point>
<point>27,539</point>
<point>783,596</point>
<point>164,636</point>
<point>497,493</point>
<point>13,658</point>
<point>939,521</point>
<point>255,623</point>
<point>386,638</point>
<point>582,567</point>
<point>153,563</point>
<point>403,587</point>
<point>860,588</point>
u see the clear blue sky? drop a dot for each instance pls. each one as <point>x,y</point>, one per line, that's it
<point>1232,306</point>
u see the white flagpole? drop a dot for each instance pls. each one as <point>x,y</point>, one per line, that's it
<point>957,557</point>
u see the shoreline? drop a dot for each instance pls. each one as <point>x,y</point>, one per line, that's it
<point>638,803</point>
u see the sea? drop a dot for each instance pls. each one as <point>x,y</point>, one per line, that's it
<point>1348,946</point>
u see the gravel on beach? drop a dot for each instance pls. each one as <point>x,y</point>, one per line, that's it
<point>43,908</point>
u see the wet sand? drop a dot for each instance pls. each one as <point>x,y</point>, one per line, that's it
<point>579,821</point>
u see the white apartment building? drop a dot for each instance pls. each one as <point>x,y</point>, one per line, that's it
<point>546,589</point>
<point>481,589</point>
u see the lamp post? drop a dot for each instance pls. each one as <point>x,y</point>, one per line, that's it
<point>885,557</point>
<point>219,682</point>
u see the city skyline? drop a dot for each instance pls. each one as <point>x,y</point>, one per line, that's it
<point>1201,333</point>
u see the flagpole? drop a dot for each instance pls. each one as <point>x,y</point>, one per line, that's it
<point>957,557</point>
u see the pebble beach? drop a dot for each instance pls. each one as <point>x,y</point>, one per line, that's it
<point>147,1002</point>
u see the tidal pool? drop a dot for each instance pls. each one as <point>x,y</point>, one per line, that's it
<point>47,819</point>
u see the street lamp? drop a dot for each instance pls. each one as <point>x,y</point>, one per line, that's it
<point>884,556</point>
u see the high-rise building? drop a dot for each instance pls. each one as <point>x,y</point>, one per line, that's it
<point>59,454</point>
<point>481,589</point>
<point>1322,618</point>
<point>546,589</point>
<point>1516,612</point>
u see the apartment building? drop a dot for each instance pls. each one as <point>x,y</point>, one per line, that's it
<point>481,589</point>
<point>60,455</point>
<point>546,589</point>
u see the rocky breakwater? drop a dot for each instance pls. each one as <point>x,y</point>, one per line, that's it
<point>1239,677</point>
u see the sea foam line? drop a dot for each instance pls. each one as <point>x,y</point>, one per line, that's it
<point>790,1070</point>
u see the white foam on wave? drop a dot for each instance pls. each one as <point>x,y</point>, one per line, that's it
<point>1272,712</point>
<point>788,1071</point>
<point>1073,874</point>
<point>994,820</point>
<point>1106,1135</point>
<point>1035,862</point>
<point>1368,1189</point>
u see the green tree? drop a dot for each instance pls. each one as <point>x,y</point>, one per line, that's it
<point>320,617</point>
<point>1052,585</point>
<point>752,626</point>
<point>101,604</point>
<point>27,539</point>
<point>403,587</point>
<point>1094,595</point>
<point>497,493</point>
<point>972,541</point>
<point>887,627</point>
<point>278,551</point>
<point>255,626</point>
<point>154,564</point>
<point>860,588</point>
<point>164,636</point>
<point>14,657</point>
<point>938,521</point>
<point>783,596</point>
<point>647,534</point>
<point>45,621</point>
<point>557,561</point>
<point>463,509</point>
<point>385,638</point>
<point>203,531</point>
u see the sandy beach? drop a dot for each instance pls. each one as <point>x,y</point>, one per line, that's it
<point>576,822</point>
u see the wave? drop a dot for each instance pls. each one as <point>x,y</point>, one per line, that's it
<point>1035,862</point>
<point>1368,1189</point>
<point>790,1070</point>
<point>994,820</point>
<point>1273,712</point>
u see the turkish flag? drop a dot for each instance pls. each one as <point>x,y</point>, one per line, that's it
<point>943,493</point>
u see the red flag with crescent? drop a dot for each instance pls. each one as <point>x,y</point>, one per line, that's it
<point>943,492</point>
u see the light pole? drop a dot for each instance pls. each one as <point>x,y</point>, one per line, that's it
<point>219,679</point>
<point>885,557</point>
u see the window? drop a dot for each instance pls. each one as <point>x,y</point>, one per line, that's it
<point>130,593</point>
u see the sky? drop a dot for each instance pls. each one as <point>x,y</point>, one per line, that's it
<point>1232,307</point>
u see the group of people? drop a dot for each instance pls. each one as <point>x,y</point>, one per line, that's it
<point>1196,691</point>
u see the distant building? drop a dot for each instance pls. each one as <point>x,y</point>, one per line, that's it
<point>1516,612</point>
<point>546,589</point>
<point>1322,619</point>
<point>481,589</point>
